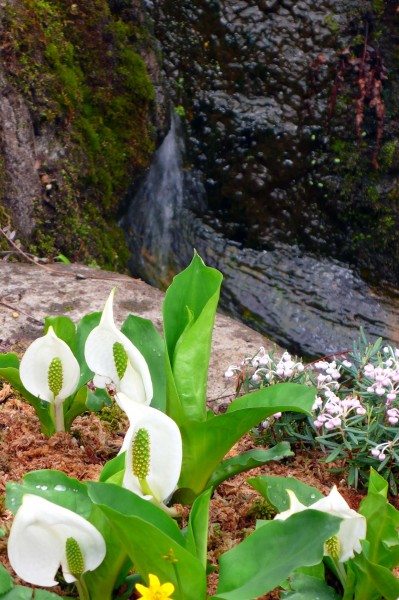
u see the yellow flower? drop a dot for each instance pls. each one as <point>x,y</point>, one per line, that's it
<point>155,591</point>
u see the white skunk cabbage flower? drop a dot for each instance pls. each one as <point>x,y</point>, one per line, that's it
<point>114,359</point>
<point>352,529</point>
<point>45,536</point>
<point>49,371</point>
<point>153,448</point>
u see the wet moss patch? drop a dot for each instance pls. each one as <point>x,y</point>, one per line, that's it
<point>90,97</point>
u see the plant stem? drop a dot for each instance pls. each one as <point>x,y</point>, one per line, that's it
<point>82,589</point>
<point>340,569</point>
<point>59,416</point>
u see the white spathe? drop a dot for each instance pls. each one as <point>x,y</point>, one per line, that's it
<point>35,363</point>
<point>165,451</point>
<point>37,541</point>
<point>136,381</point>
<point>353,526</point>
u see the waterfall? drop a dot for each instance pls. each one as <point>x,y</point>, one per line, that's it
<point>307,304</point>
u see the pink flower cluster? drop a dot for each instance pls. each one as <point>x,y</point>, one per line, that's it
<point>380,451</point>
<point>332,410</point>
<point>385,377</point>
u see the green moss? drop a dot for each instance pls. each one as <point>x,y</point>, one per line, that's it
<point>262,509</point>
<point>389,156</point>
<point>378,7</point>
<point>78,68</point>
<point>113,417</point>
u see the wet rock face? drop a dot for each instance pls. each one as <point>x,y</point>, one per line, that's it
<point>256,80</point>
<point>311,306</point>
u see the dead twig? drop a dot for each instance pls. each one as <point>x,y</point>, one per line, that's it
<point>58,272</point>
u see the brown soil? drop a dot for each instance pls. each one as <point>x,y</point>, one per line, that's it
<point>92,441</point>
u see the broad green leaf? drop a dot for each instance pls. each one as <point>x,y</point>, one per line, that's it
<point>105,578</point>
<point>77,406</point>
<point>151,539</point>
<point>248,460</point>
<point>287,396</point>
<point>189,311</point>
<point>19,592</point>
<point>267,557</point>
<point>113,467</point>
<point>85,326</point>
<point>6,581</point>
<point>350,582</point>
<point>382,523</point>
<point>206,443</point>
<point>142,333</point>
<point>305,587</point>
<point>197,530</point>
<point>73,495</point>
<point>274,489</point>
<point>125,503</point>
<point>374,581</point>
<point>97,399</point>
<point>9,360</point>
<point>42,408</point>
<point>53,486</point>
<point>174,406</point>
<point>64,328</point>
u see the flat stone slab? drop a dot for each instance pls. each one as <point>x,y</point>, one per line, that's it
<point>29,293</point>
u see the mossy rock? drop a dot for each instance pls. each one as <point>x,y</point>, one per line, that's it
<point>78,68</point>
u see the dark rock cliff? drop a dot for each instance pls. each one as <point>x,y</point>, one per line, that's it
<point>292,116</point>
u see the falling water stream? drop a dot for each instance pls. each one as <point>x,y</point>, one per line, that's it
<point>310,305</point>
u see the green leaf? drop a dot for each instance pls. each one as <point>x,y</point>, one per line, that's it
<point>42,408</point>
<point>77,406</point>
<point>85,326</point>
<point>274,489</point>
<point>62,258</point>
<point>96,400</point>
<point>45,595</point>
<point>375,576</point>
<point>382,522</point>
<point>9,360</point>
<point>197,530</point>
<point>53,486</point>
<point>267,557</point>
<point>146,338</point>
<point>113,467</point>
<point>206,443</point>
<point>285,396</point>
<point>64,328</point>
<point>189,312</point>
<point>125,503</point>
<point>248,460</point>
<point>57,487</point>
<point>305,587</point>
<point>151,539</point>
<point>6,581</point>
<point>19,592</point>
